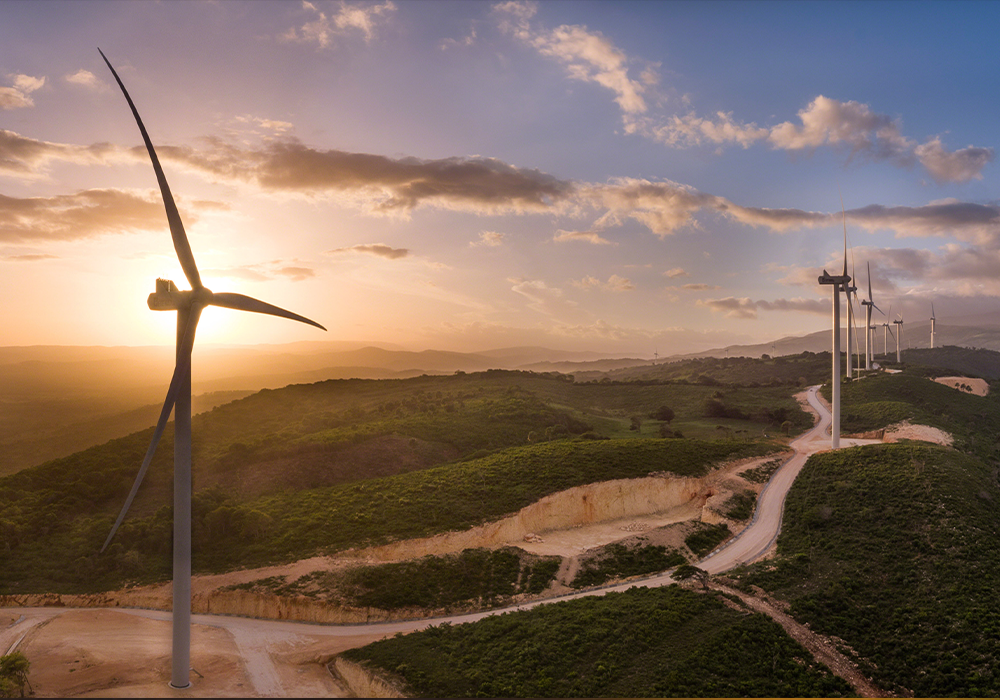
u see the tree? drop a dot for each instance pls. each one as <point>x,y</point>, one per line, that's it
<point>14,674</point>
<point>686,571</point>
<point>663,413</point>
<point>636,423</point>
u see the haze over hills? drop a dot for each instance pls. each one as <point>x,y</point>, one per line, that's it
<point>56,400</point>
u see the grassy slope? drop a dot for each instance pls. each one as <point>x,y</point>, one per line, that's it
<point>55,541</point>
<point>892,548</point>
<point>665,642</point>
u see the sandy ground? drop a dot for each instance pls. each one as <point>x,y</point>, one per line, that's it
<point>979,387</point>
<point>126,653</point>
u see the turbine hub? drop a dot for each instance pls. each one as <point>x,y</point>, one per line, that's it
<point>168,298</point>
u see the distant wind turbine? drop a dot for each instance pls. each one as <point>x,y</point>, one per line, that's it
<point>869,304</point>
<point>849,289</point>
<point>899,335</point>
<point>837,282</point>
<point>932,324</point>
<point>885,333</point>
<point>188,305</point>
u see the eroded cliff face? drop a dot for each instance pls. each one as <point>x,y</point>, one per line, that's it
<point>581,505</point>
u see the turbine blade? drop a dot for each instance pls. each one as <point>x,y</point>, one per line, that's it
<point>932,310</point>
<point>182,368</point>
<point>181,245</point>
<point>870,282</point>
<point>242,302</point>
<point>844,214</point>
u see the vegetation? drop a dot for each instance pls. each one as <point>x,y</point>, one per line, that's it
<point>740,506</point>
<point>892,548</point>
<point>665,642</point>
<point>52,540</point>
<point>479,576</point>
<point>706,537</point>
<point>762,473</point>
<point>14,669</point>
<point>620,561</point>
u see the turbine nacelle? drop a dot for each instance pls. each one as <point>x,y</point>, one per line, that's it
<point>827,278</point>
<point>168,298</point>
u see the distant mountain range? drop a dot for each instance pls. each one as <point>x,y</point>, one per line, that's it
<point>55,400</point>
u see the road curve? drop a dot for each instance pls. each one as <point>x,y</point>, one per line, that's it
<point>256,638</point>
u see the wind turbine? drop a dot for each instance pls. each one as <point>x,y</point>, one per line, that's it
<point>188,305</point>
<point>932,324</point>
<point>869,304</point>
<point>885,333</point>
<point>837,282</point>
<point>899,334</point>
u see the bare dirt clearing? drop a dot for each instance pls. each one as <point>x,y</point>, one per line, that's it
<point>979,387</point>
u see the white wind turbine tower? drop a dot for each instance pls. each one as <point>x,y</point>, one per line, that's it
<point>188,305</point>
<point>869,304</point>
<point>899,334</point>
<point>837,282</point>
<point>932,324</point>
<point>885,333</point>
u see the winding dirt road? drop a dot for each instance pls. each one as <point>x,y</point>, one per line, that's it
<point>259,643</point>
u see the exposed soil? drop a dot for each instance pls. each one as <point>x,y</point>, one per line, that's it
<point>979,387</point>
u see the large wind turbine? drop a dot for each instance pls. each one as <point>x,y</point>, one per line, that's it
<point>837,282</point>
<point>188,305</point>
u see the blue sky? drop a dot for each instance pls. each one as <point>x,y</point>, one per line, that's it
<point>620,177</point>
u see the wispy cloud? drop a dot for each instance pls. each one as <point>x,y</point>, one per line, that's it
<point>747,308</point>
<point>323,27</point>
<point>261,272</point>
<point>26,157</point>
<point>587,55</point>
<point>489,239</point>
<point>676,272</point>
<point>19,94</point>
<point>615,283</point>
<point>377,249</point>
<point>87,214</point>
<point>591,237</point>
<point>30,257</point>
<point>86,79</point>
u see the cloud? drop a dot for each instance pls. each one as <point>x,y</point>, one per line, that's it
<point>959,166</point>
<point>587,55</point>
<point>663,206</point>
<point>824,122</point>
<point>746,308</point>
<point>30,257</point>
<point>86,214</point>
<point>323,27</point>
<point>383,185</point>
<point>377,249</point>
<point>18,95</point>
<point>615,283</point>
<point>700,287</point>
<point>262,272</point>
<point>490,239</point>
<point>584,236</point>
<point>676,272</point>
<point>543,298</point>
<point>692,130</point>
<point>25,157</point>
<point>85,78</point>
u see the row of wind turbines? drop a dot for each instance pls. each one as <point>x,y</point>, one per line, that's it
<point>842,282</point>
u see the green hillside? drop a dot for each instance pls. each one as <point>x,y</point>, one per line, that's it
<point>665,642</point>
<point>284,474</point>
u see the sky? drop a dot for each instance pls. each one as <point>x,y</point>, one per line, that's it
<point>627,178</point>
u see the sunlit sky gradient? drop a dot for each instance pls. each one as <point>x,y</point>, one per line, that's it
<point>619,177</point>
